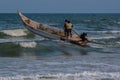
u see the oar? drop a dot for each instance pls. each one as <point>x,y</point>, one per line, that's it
<point>76,32</point>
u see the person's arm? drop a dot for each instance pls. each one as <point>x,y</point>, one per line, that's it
<point>72,26</point>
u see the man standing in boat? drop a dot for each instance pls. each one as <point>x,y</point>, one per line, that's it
<point>65,27</point>
<point>69,29</point>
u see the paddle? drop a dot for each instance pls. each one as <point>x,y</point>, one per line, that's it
<point>76,32</point>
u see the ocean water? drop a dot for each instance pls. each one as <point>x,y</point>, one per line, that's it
<point>25,56</point>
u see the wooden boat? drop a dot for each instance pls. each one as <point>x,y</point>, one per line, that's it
<point>49,32</point>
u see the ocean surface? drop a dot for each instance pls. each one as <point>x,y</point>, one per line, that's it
<point>25,56</point>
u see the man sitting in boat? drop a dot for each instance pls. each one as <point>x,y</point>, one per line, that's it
<point>83,37</point>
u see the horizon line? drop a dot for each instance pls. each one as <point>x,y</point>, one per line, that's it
<point>16,11</point>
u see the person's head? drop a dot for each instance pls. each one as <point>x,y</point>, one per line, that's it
<point>66,20</point>
<point>85,34</point>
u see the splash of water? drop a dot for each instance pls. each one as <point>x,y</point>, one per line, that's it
<point>15,33</point>
<point>77,76</point>
<point>28,44</point>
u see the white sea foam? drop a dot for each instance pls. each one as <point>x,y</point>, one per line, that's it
<point>118,22</point>
<point>16,32</point>
<point>106,37</point>
<point>28,44</point>
<point>96,46</point>
<point>118,42</point>
<point>105,32</point>
<point>78,76</point>
<point>19,40</point>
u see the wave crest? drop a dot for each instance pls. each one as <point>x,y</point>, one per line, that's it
<point>78,76</point>
<point>105,32</point>
<point>28,44</point>
<point>15,33</point>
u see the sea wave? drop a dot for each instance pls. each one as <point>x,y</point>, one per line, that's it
<point>118,43</point>
<point>118,22</point>
<point>106,37</point>
<point>16,32</point>
<point>104,32</point>
<point>28,44</point>
<point>77,76</point>
<point>19,40</point>
<point>25,43</point>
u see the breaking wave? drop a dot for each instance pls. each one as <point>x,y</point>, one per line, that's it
<point>106,37</point>
<point>25,43</point>
<point>16,33</point>
<point>19,40</point>
<point>104,32</point>
<point>78,76</point>
<point>28,44</point>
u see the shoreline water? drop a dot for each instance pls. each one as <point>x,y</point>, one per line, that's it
<point>23,56</point>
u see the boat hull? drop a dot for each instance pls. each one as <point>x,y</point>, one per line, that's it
<point>49,32</point>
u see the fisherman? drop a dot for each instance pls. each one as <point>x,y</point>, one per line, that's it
<point>69,28</point>
<point>65,28</point>
<point>83,36</point>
